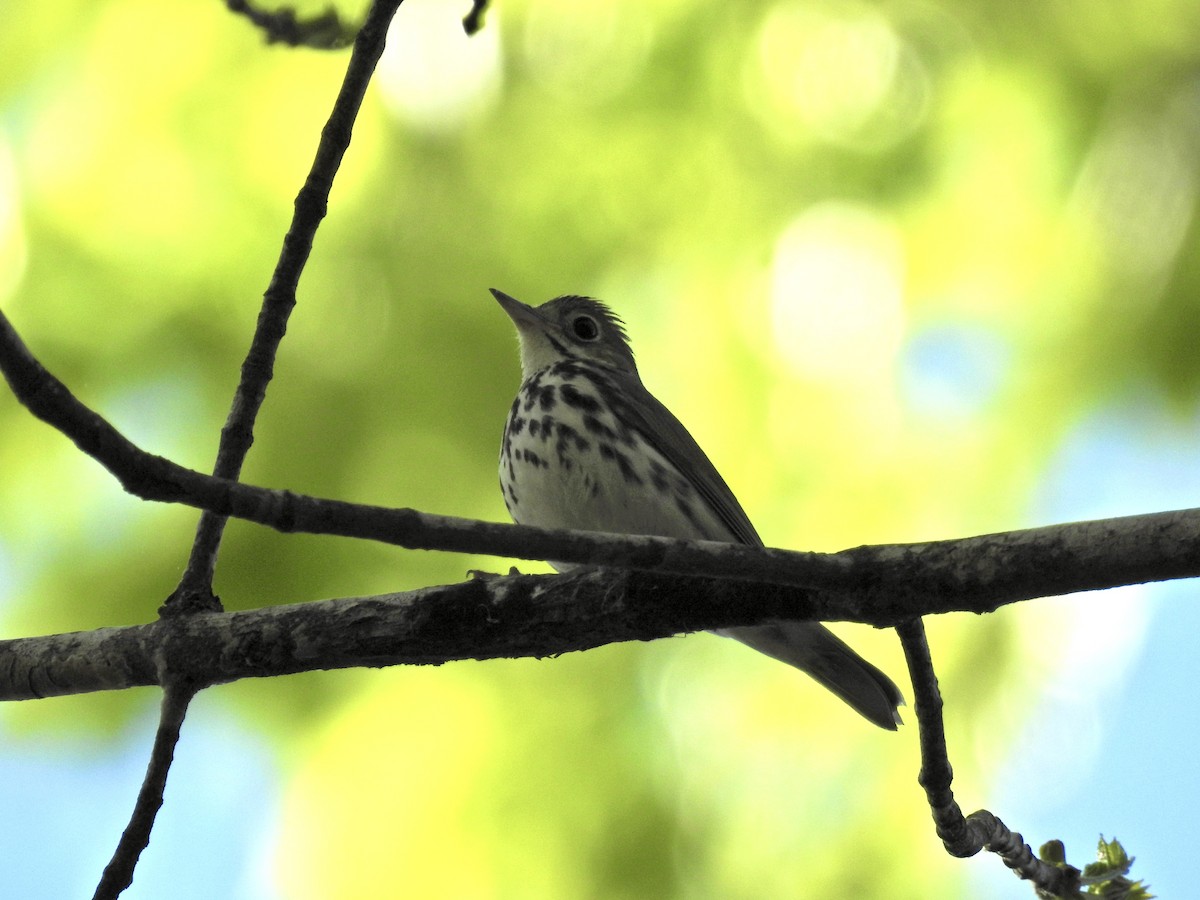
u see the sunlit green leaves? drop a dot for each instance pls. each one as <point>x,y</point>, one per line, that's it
<point>1106,877</point>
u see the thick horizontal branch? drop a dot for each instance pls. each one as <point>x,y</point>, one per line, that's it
<point>484,618</point>
<point>893,582</point>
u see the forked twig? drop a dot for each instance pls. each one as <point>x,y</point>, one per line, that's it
<point>324,31</point>
<point>966,836</point>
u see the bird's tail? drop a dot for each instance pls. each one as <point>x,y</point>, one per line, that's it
<point>815,649</point>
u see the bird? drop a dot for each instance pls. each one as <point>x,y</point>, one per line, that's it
<point>587,446</point>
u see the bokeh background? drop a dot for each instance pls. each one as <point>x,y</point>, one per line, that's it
<point>908,270</point>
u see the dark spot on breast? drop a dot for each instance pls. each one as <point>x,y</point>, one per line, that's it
<point>546,398</point>
<point>534,427</point>
<point>627,471</point>
<point>527,395</point>
<point>534,460</point>
<point>566,437</point>
<point>608,451</point>
<point>596,427</point>
<point>567,369</point>
<point>572,396</point>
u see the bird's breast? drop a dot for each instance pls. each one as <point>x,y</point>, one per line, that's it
<point>568,460</point>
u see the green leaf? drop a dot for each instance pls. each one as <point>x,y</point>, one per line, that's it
<point>1106,876</point>
<point>1111,861</point>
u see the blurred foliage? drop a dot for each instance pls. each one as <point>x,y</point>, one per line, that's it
<point>878,256</point>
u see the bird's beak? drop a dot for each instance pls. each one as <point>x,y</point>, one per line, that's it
<point>523,315</point>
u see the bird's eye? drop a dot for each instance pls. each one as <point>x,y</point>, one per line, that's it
<point>585,328</point>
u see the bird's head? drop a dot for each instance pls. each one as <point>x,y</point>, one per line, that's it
<point>565,328</point>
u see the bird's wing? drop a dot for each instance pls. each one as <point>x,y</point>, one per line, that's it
<point>659,428</point>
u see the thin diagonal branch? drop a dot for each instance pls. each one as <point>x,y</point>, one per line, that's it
<point>312,202</point>
<point>118,874</point>
<point>966,836</point>
<point>896,581</point>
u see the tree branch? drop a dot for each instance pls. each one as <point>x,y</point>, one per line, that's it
<point>484,618</point>
<point>894,582</point>
<point>118,874</point>
<point>194,592</point>
<point>324,31</point>
<point>473,20</point>
<point>966,836</point>
<point>936,774</point>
